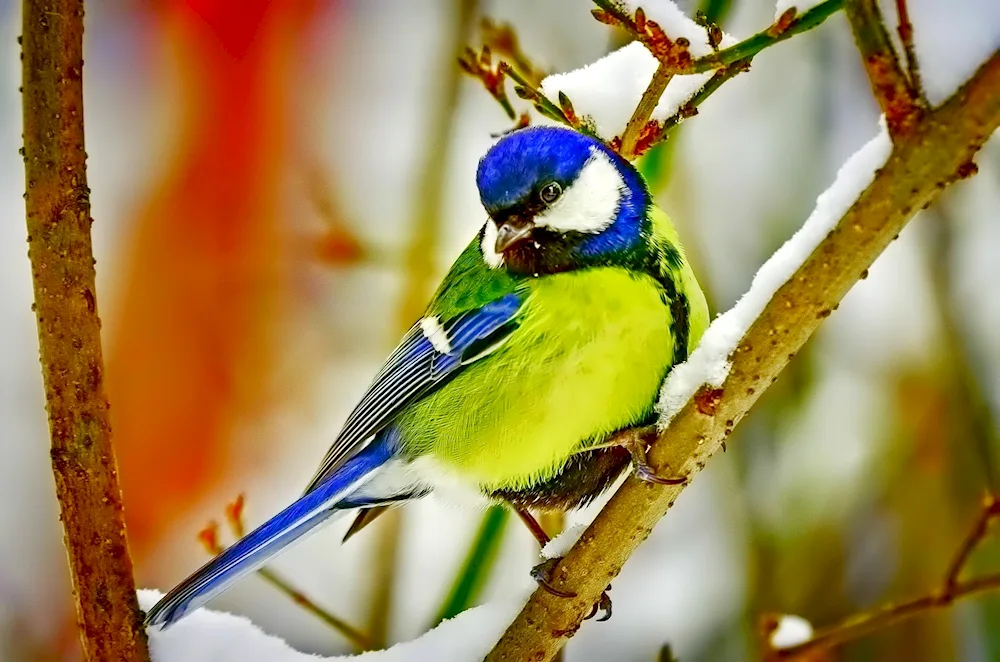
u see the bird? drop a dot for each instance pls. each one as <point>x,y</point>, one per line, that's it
<point>532,377</point>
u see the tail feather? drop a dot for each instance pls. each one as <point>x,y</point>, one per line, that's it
<point>271,538</point>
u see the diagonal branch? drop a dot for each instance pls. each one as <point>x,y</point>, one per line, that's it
<point>923,162</point>
<point>69,332</point>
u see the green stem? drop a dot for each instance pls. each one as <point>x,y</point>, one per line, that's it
<point>477,566</point>
<point>748,48</point>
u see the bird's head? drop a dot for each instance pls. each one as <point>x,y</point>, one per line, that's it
<point>559,200</point>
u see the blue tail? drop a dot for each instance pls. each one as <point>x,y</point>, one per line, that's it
<point>269,539</point>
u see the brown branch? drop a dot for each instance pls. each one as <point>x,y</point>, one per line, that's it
<point>896,96</point>
<point>905,30</point>
<point>69,332</point>
<point>922,164</point>
<point>644,110</point>
<point>951,590</point>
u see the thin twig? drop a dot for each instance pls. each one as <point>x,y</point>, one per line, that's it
<point>905,30</point>
<point>673,55</point>
<point>526,90</point>
<point>718,79</point>
<point>674,59</point>
<point>209,538</point>
<point>69,333</point>
<point>895,94</point>
<point>990,511</point>
<point>784,28</point>
<point>889,615</point>
<point>921,165</point>
<point>644,110</point>
<point>951,590</point>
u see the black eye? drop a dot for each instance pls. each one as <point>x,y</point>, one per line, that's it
<point>550,193</point>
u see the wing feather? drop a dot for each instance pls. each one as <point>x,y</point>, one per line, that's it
<point>415,368</point>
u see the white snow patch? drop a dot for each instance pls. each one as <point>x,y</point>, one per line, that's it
<point>801,6</point>
<point>791,631</point>
<point>561,544</point>
<point>212,636</point>
<point>608,90</point>
<point>709,363</point>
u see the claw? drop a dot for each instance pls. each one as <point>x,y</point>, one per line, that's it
<point>635,443</point>
<point>603,604</point>
<point>542,572</point>
<point>645,473</point>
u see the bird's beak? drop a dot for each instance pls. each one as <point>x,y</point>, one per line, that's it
<point>513,231</point>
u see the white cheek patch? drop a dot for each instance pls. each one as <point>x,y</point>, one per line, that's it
<point>431,327</point>
<point>590,203</point>
<point>488,245</point>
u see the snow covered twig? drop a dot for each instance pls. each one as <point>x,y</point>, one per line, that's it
<point>952,588</point>
<point>698,57</point>
<point>875,195</point>
<point>675,57</point>
<point>69,332</point>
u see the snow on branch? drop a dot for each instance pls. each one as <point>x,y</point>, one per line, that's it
<point>634,96</point>
<point>709,363</point>
<point>214,636</point>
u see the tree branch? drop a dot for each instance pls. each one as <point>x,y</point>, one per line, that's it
<point>899,100</point>
<point>644,110</point>
<point>69,332</point>
<point>937,152</point>
<point>905,30</point>
<point>784,28</point>
<point>951,589</point>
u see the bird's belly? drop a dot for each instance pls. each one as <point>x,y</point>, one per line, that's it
<point>587,359</point>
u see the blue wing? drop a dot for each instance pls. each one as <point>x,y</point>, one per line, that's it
<point>432,351</point>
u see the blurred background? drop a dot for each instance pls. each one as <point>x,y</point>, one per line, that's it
<point>277,188</point>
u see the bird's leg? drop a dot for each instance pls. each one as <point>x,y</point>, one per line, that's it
<point>533,526</point>
<point>635,441</point>
<point>542,572</point>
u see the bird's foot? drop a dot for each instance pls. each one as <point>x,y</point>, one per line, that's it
<point>636,441</point>
<point>603,604</point>
<point>542,574</point>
